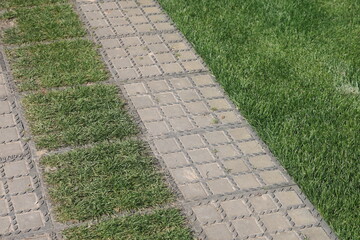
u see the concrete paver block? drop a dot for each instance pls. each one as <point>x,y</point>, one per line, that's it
<point>135,89</point>
<point>4,209</point>
<point>188,95</point>
<point>196,107</point>
<point>261,161</point>
<point>220,186</point>
<point>181,124</point>
<point>218,232</point>
<point>206,213</point>
<point>210,92</point>
<point>216,137</point>
<point>127,73</point>
<point>173,111</point>
<point>30,220</point>
<point>175,159</point>
<point>285,236</point>
<point>301,216</point>
<point>179,83</point>
<point>7,120</point>
<point>149,114</point>
<point>210,170</point>
<point>246,181</point>
<point>5,225</point>
<point>226,151</point>
<point>273,177</point>
<point>165,98</point>
<point>275,221</point>
<point>193,191</point>
<point>15,168</point>
<point>4,107</point>
<point>288,198</point>
<point>158,86</point>
<point>201,155</point>
<point>239,133</point>
<point>250,147</point>
<point>235,166</point>
<point>157,128</point>
<point>19,185</point>
<point>192,141</point>
<point>315,233</point>
<point>166,145</point>
<point>247,226</point>
<point>9,134</point>
<point>184,175</point>
<point>142,101</point>
<point>235,208</point>
<point>24,202</point>
<point>171,68</point>
<point>262,203</point>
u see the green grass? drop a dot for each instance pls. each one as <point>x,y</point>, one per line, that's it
<point>27,3</point>
<point>77,116</point>
<point>105,179</point>
<point>57,64</point>
<point>43,23</point>
<point>160,225</point>
<point>292,67</point>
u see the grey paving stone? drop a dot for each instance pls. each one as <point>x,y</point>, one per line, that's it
<point>226,151</point>
<point>206,213</point>
<point>181,124</point>
<point>235,208</point>
<point>193,191</point>
<point>5,225</point>
<point>9,149</point>
<point>247,226</point>
<point>216,137</point>
<point>201,155</point>
<point>184,175</point>
<point>7,120</point>
<point>149,114</point>
<point>9,134</point>
<point>173,160</point>
<point>315,233</point>
<point>142,101</point>
<point>127,73</point>
<point>165,98</point>
<point>158,86</point>
<point>210,170</point>
<point>19,185</point>
<point>275,222</point>
<point>220,186</point>
<point>218,231</point>
<point>30,220</point>
<point>247,181</point>
<point>24,202</point>
<point>2,80</point>
<point>192,141</point>
<point>3,91</point>
<point>16,168</point>
<point>235,166</point>
<point>301,216</point>
<point>262,203</point>
<point>285,236</point>
<point>135,88</point>
<point>166,145</point>
<point>4,209</point>
<point>273,177</point>
<point>157,128</point>
<point>188,95</point>
<point>261,161</point>
<point>4,107</point>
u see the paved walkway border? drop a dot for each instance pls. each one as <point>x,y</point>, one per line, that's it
<point>229,184</point>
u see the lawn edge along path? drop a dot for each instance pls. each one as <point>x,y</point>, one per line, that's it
<point>231,185</point>
<point>24,210</point>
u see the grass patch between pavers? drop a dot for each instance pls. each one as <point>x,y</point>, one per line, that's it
<point>292,67</point>
<point>160,225</point>
<point>77,116</point>
<point>57,64</point>
<point>105,179</point>
<point>27,3</point>
<point>43,23</point>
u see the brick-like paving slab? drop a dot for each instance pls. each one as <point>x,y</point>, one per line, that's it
<point>230,185</point>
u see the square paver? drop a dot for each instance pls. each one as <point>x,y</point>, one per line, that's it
<point>192,141</point>
<point>206,213</point>
<point>184,175</point>
<point>275,222</point>
<point>210,92</point>
<point>210,170</point>
<point>180,83</point>
<point>9,134</point>
<point>165,98</point>
<point>261,161</point>
<point>285,236</point>
<point>165,57</point>
<point>188,95</point>
<point>220,186</point>
<point>24,202</point>
<point>203,80</point>
<point>289,198</point>
<point>235,208</point>
<point>315,233</point>
<point>143,60</point>
<point>235,166</point>
<point>125,74</point>
<point>193,191</point>
<point>201,155</point>
<point>135,89</point>
<point>219,104</point>
<point>175,110</point>
<point>229,117</point>
<point>150,71</point>
<point>196,107</point>
<point>115,52</point>
<point>247,226</point>
<point>19,185</point>
<point>2,189</point>
<point>149,114</point>
<point>262,203</point>
<point>170,68</point>
<point>250,147</point>
<point>218,231</point>
<point>5,225</point>
<point>7,120</point>
<point>302,216</point>
<point>157,128</point>
<point>247,181</point>
<point>216,137</point>
<point>121,63</point>
<point>4,107</point>
<point>4,209</point>
<point>239,133</point>
<point>175,159</point>
<point>273,177</point>
<point>226,151</point>
<point>30,220</point>
<point>142,101</point>
<point>166,145</point>
<point>181,124</point>
<point>15,168</point>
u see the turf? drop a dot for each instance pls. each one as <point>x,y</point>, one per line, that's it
<point>57,64</point>
<point>43,23</point>
<point>292,67</point>
<point>27,3</point>
<point>105,179</point>
<point>160,225</point>
<point>77,116</point>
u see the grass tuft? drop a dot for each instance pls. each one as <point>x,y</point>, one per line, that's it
<point>77,116</point>
<point>27,3</point>
<point>57,64</point>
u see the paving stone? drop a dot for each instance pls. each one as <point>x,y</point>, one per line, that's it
<point>165,98</point>
<point>2,189</point>
<point>193,191</point>
<point>165,57</point>
<point>118,21</point>
<point>7,120</point>
<point>220,186</point>
<point>132,11</point>
<point>125,74</point>
<point>246,226</point>
<point>5,225</point>
<point>273,177</point>
<point>192,141</point>
<point>226,151</point>
<point>180,83</point>
<point>166,145</point>
<point>218,231</point>
<point>24,202</point>
<point>3,91</point>
<point>186,56</point>
<point>138,19</point>
<point>204,121</point>
<point>285,236</point>
<point>4,107</point>
<point>143,60</point>
<point>4,209</point>
<point>210,92</point>
<point>142,101</point>
<point>158,18</point>
<point>135,89</point>
<point>158,86</point>
<point>150,71</point>
<point>196,107</point>
<point>203,80</point>
<point>15,168</point>
<point>102,32</point>
<point>175,159</point>
<point>288,198</point>
<point>275,222</point>
<point>9,134</point>
<point>121,62</point>
<point>246,181</point>
<point>250,147</point>
<point>206,213</point>
<point>144,27</point>
<point>116,52</point>
<point>126,4</point>
<point>170,68</point>
<point>157,128</point>
<point>149,114</point>
<point>152,39</point>
<point>188,95</point>
<point>2,80</point>
<point>41,237</point>
<point>138,50</point>
<point>184,175</point>
<point>262,203</point>
<point>235,208</point>
<point>181,124</point>
<point>152,10</point>
<point>261,161</point>
<point>210,170</point>
<point>315,233</point>
<point>99,23</point>
<point>235,166</point>
<point>171,37</point>
<point>239,133</point>
<point>228,117</point>
<point>90,7</point>
<point>19,185</point>
<point>107,5</point>
<point>216,137</point>
<point>158,48</point>
<point>30,220</point>
<point>201,155</point>
<point>123,30</point>
<point>93,15</point>
<point>110,13</point>
<point>301,217</point>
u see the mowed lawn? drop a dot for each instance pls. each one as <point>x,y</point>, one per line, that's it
<point>293,69</point>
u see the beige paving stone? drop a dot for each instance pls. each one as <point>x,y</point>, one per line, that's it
<point>164,26</point>
<point>9,134</point>
<point>226,151</point>
<point>235,166</point>
<point>210,92</point>
<point>201,155</point>
<point>184,175</point>
<point>247,226</point>
<point>171,37</point>
<point>7,120</point>
<point>110,43</point>
<point>5,225</point>
<point>4,209</point>
<point>206,213</point>
<point>165,57</point>
<point>204,121</point>
<point>203,80</point>
<point>261,161</point>
<point>121,63</point>
<point>30,220</point>
<point>2,80</point>
<point>192,141</point>
<point>131,41</point>
<point>193,66</point>
<point>158,86</point>
<point>196,107</point>
<point>142,101</point>
<point>216,137</point>
<point>111,13</point>
<point>239,133</point>
<point>158,48</point>
<point>301,217</point>
<point>138,19</point>
<point>219,104</point>
<point>150,70</point>
<point>132,11</point>
<point>181,124</point>
<point>4,107</point>
<point>288,198</point>
<point>262,203</point>
<point>102,32</point>
<point>127,4</point>
<point>19,185</point>
<point>175,110</point>
<point>170,68</point>
<point>275,222</point>
<point>235,208</point>
<point>250,147</point>
<point>127,73</point>
<point>218,231</point>
<point>157,128</point>
<point>149,114</point>
<point>210,170</point>
<point>285,236</point>
<point>152,10</point>
<point>116,52</point>
<point>144,28</point>
<point>99,23</point>
<point>193,191</point>
<point>186,56</point>
<point>228,117</point>
<point>273,177</point>
<point>179,83</point>
<point>94,15</point>
<point>152,39</point>
<point>89,7</point>
<point>2,189</point>
<point>246,181</point>
<point>165,98</point>
<point>24,202</point>
<point>188,95</point>
<point>166,145</point>
<point>135,88</point>
<point>118,21</point>
<point>175,159</point>
<point>108,5</point>
<point>138,50</point>
<point>220,186</point>
<point>143,60</point>
<point>40,237</point>
<point>315,233</point>
<point>3,91</point>
<point>158,18</point>
<point>17,168</point>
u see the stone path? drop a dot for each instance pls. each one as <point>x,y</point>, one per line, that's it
<point>229,184</point>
